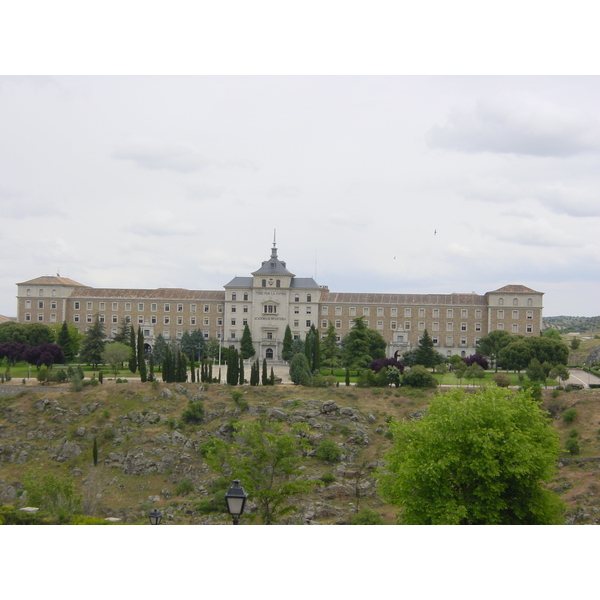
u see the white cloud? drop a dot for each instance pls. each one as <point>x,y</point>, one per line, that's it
<point>161,223</point>
<point>528,126</point>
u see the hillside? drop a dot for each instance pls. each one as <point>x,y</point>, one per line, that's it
<point>588,325</point>
<point>148,458</point>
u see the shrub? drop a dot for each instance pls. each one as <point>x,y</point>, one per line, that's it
<point>501,380</point>
<point>328,451</point>
<point>366,516</point>
<point>569,416</point>
<point>194,413</point>
<point>184,487</point>
<point>572,446</point>
<point>573,433</point>
<point>323,381</point>
<point>327,478</point>
<point>237,395</point>
<point>419,377</point>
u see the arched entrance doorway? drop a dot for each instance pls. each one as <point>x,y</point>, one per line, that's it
<point>269,353</point>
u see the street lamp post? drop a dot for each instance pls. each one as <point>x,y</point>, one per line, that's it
<point>155,517</point>
<point>236,501</point>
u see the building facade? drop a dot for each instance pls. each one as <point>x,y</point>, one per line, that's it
<point>271,298</point>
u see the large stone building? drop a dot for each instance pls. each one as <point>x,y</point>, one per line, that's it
<point>272,298</point>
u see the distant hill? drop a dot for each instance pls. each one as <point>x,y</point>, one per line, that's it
<point>580,324</point>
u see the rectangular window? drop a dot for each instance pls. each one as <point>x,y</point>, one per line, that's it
<point>530,314</point>
<point>421,325</point>
<point>166,333</point>
<point>477,326</point>
<point>219,308</point>
<point>515,328</point>
<point>406,325</point>
<point>464,313</point>
<point>205,333</point>
<point>463,327</point>
<point>233,335</point>
<point>338,323</point>
<point>449,326</point>
<point>233,309</point>
<point>436,313</point>
<point>28,316</point>
<point>308,322</point>
<point>27,303</point>
<point>167,320</point>
<point>179,320</point>
<point>436,340</point>
<point>127,319</point>
<point>192,308</point>
<point>309,310</point>
<point>180,308</point>
<point>245,309</point>
<point>244,321</point>
<point>140,306</point>
<point>394,312</point>
<point>296,310</point>
<point>366,322</point>
<point>435,327</point>
<point>353,311</point>
<point>463,341</point>
<point>421,312</point>
<point>40,304</point>
<point>153,306</point>
<point>449,313</point>
<point>40,317</point>
<point>501,326</point>
<point>515,314</point>
<point>140,319</point>
<point>296,323</point>
<point>115,306</point>
<point>192,320</point>
<point>76,318</point>
<point>407,312</point>
<point>167,307</point>
<point>89,306</point>
<point>220,321</point>
<point>179,334</point>
<point>449,340</point>
<point>379,324</point>
<point>153,320</point>
<point>380,312</point>
<point>88,318</point>
<point>393,325</point>
<point>478,314</point>
<point>366,311</point>
<point>206,308</point>
<point>501,314</point>
<point>102,306</point>
<point>529,328</point>
<point>325,310</point>
<point>127,306</point>
<point>206,321</point>
<point>323,324</point>
<point>233,322</point>
<point>53,304</point>
<point>101,318</point>
<point>115,319</point>
<point>76,306</point>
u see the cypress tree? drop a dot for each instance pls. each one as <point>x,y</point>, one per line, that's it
<point>193,369</point>
<point>166,370</point>
<point>210,377</point>
<point>100,377</point>
<point>347,376</point>
<point>65,342</point>
<point>151,367</point>
<point>133,357</point>
<point>141,355</point>
<point>247,347</point>
<point>316,351</point>
<point>288,341</point>
<point>265,376</point>
<point>241,370</point>
<point>95,452</point>
<point>272,378</point>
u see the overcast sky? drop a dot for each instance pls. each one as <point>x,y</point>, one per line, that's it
<point>180,181</point>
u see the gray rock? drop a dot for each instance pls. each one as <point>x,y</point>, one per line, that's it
<point>80,431</point>
<point>347,412</point>
<point>276,413</point>
<point>329,406</point>
<point>166,394</point>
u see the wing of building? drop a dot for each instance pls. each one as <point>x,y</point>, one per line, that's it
<point>271,298</point>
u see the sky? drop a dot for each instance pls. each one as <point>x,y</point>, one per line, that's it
<point>399,184</point>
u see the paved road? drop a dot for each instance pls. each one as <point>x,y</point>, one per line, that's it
<point>583,377</point>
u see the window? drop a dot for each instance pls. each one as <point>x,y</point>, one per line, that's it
<point>76,318</point>
<point>353,311</point>
<point>296,323</point>
<point>515,328</point>
<point>101,305</point>
<point>270,309</point>
<point>27,303</point>
<point>154,307</point>
<point>115,319</point>
<point>500,301</point>
<point>463,327</point>
<point>167,307</point>
<point>264,283</point>
<point>436,340</point>
<point>501,314</point>
<point>101,319</point>
<point>233,296</point>
<point>127,306</point>
<point>28,316</point>
<point>379,324</point>
<point>179,334</point>
<point>338,311</point>
<point>166,333</point>
<point>146,333</point>
<point>89,306</point>
<point>393,325</point>
<point>500,326</point>
<point>233,309</point>
<point>127,319</point>
<point>140,319</point>
<point>220,321</point>
<point>309,310</point>
<point>28,292</point>
<point>245,296</point>
<point>115,306</point>
<point>297,298</point>
<point>421,325</point>
<point>435,327</point>
<point>206,335</point>
<point>449,340</point>
<point>179,320</point>
<point>515,302</point>
<point>153,320</point>
<point>278,283</point>
<point>140,306</point>
<point>463,341</point>
<point>308,323</point>
<point>296,310</point>
<point>233,335</point>
<point>449,313</point>
<point>477,326</point>
<point>464,313</point>
<point>53,304</point>
<point>40,304</point>
<point>269,335</point>
<point>407,312</point>
<point>515,314</point>
<point>394,312</point>
<point>530,314</point>
<point>245,309</point>
<point>113,332</point>
<point>436,313</point>
<point>366,311</point>
<point>53,317</point>
<point>219,308</point>
<point>478,314</point>
<point>53,293</point>
<point>41,292</point>
<point>244,321</point>
<point>529,302</point>
<point>206,321</point>
<point>88,318</point>
<point>192,308</point>
<point>529,328</point>
<point>406,325</point>
<point>449,326</point>
<point>206,308</point>
<point>380,312</point>
<point>233,322</point>
<point>308,297</point>
<point>323,324</point>
<point>40,317</point>
<point>180,308</point>
<point>192,320</point>
<point>325,310</point>
<point>366,322</point>
<point>166,320</point>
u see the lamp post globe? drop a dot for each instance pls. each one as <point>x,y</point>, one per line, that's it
<point>236,500</point>
<point>155,517</point>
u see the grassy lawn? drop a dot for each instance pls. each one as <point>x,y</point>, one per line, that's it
<point>23,371</point>
<point>450,379</point>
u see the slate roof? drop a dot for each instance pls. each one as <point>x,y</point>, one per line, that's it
<point>273,266</point>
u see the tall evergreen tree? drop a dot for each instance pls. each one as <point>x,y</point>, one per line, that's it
<point>93,344</point>
<point>241,371</point>
<point>133,360</point>
<point>247,347</point>
<point>159,350</point>
<point>193,368</point>
<point>265,376</point>
<point>316,350</point>
<point>426,354</point>
<point>124,334</point>
<point>141,355</point>
<point>330,351</point>
<point>272,377</point>
<point>286,351</point>
<point>151,367</point>
<point>233,367</point>
<point>66,343</point>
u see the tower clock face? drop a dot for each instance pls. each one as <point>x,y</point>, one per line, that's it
<point>271,281</point>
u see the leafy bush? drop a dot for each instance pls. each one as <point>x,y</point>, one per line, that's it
<point>237,395</point>
<point>380,363</point>
<point>366,516</point>
<point>51,493</point>
<point>328,451</point>
<point>501,380</point>
<point>569,416</point>
<point>327,478</point>
<point>572,446</point>
<point>184,487</point>
<point>322,381</point>
<point>419,377</point>
<point>194,413</point>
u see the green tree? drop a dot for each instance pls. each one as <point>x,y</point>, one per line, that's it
<point>553,334</point>
<point>233,367</point>
<point>133,358</point>
<point>124,334</point>
<point>330,351</point>
<point>266,460</point>
<point>286,351</point>
<point>300,370</point>
<point>67,343</point>
<point>93,344</point>
<point>535,372</point>
<point>95,452</point>
<point>141,355</point>
<point>115,354</point>
<point>246,345</point>
<point>265,375</point>
<point>52,493</point>
<point>426,354</point>
<point>478,458</point>
<point>193,344</point>
<point>362,345</point>
<point>560,372</point>
<point>575,343</point>
<point>159,350</point>
<point>491,344</point>
<point>516,355</point>
<point>419,377</point>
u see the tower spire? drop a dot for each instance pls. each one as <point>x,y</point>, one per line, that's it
<point>274,250</point>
